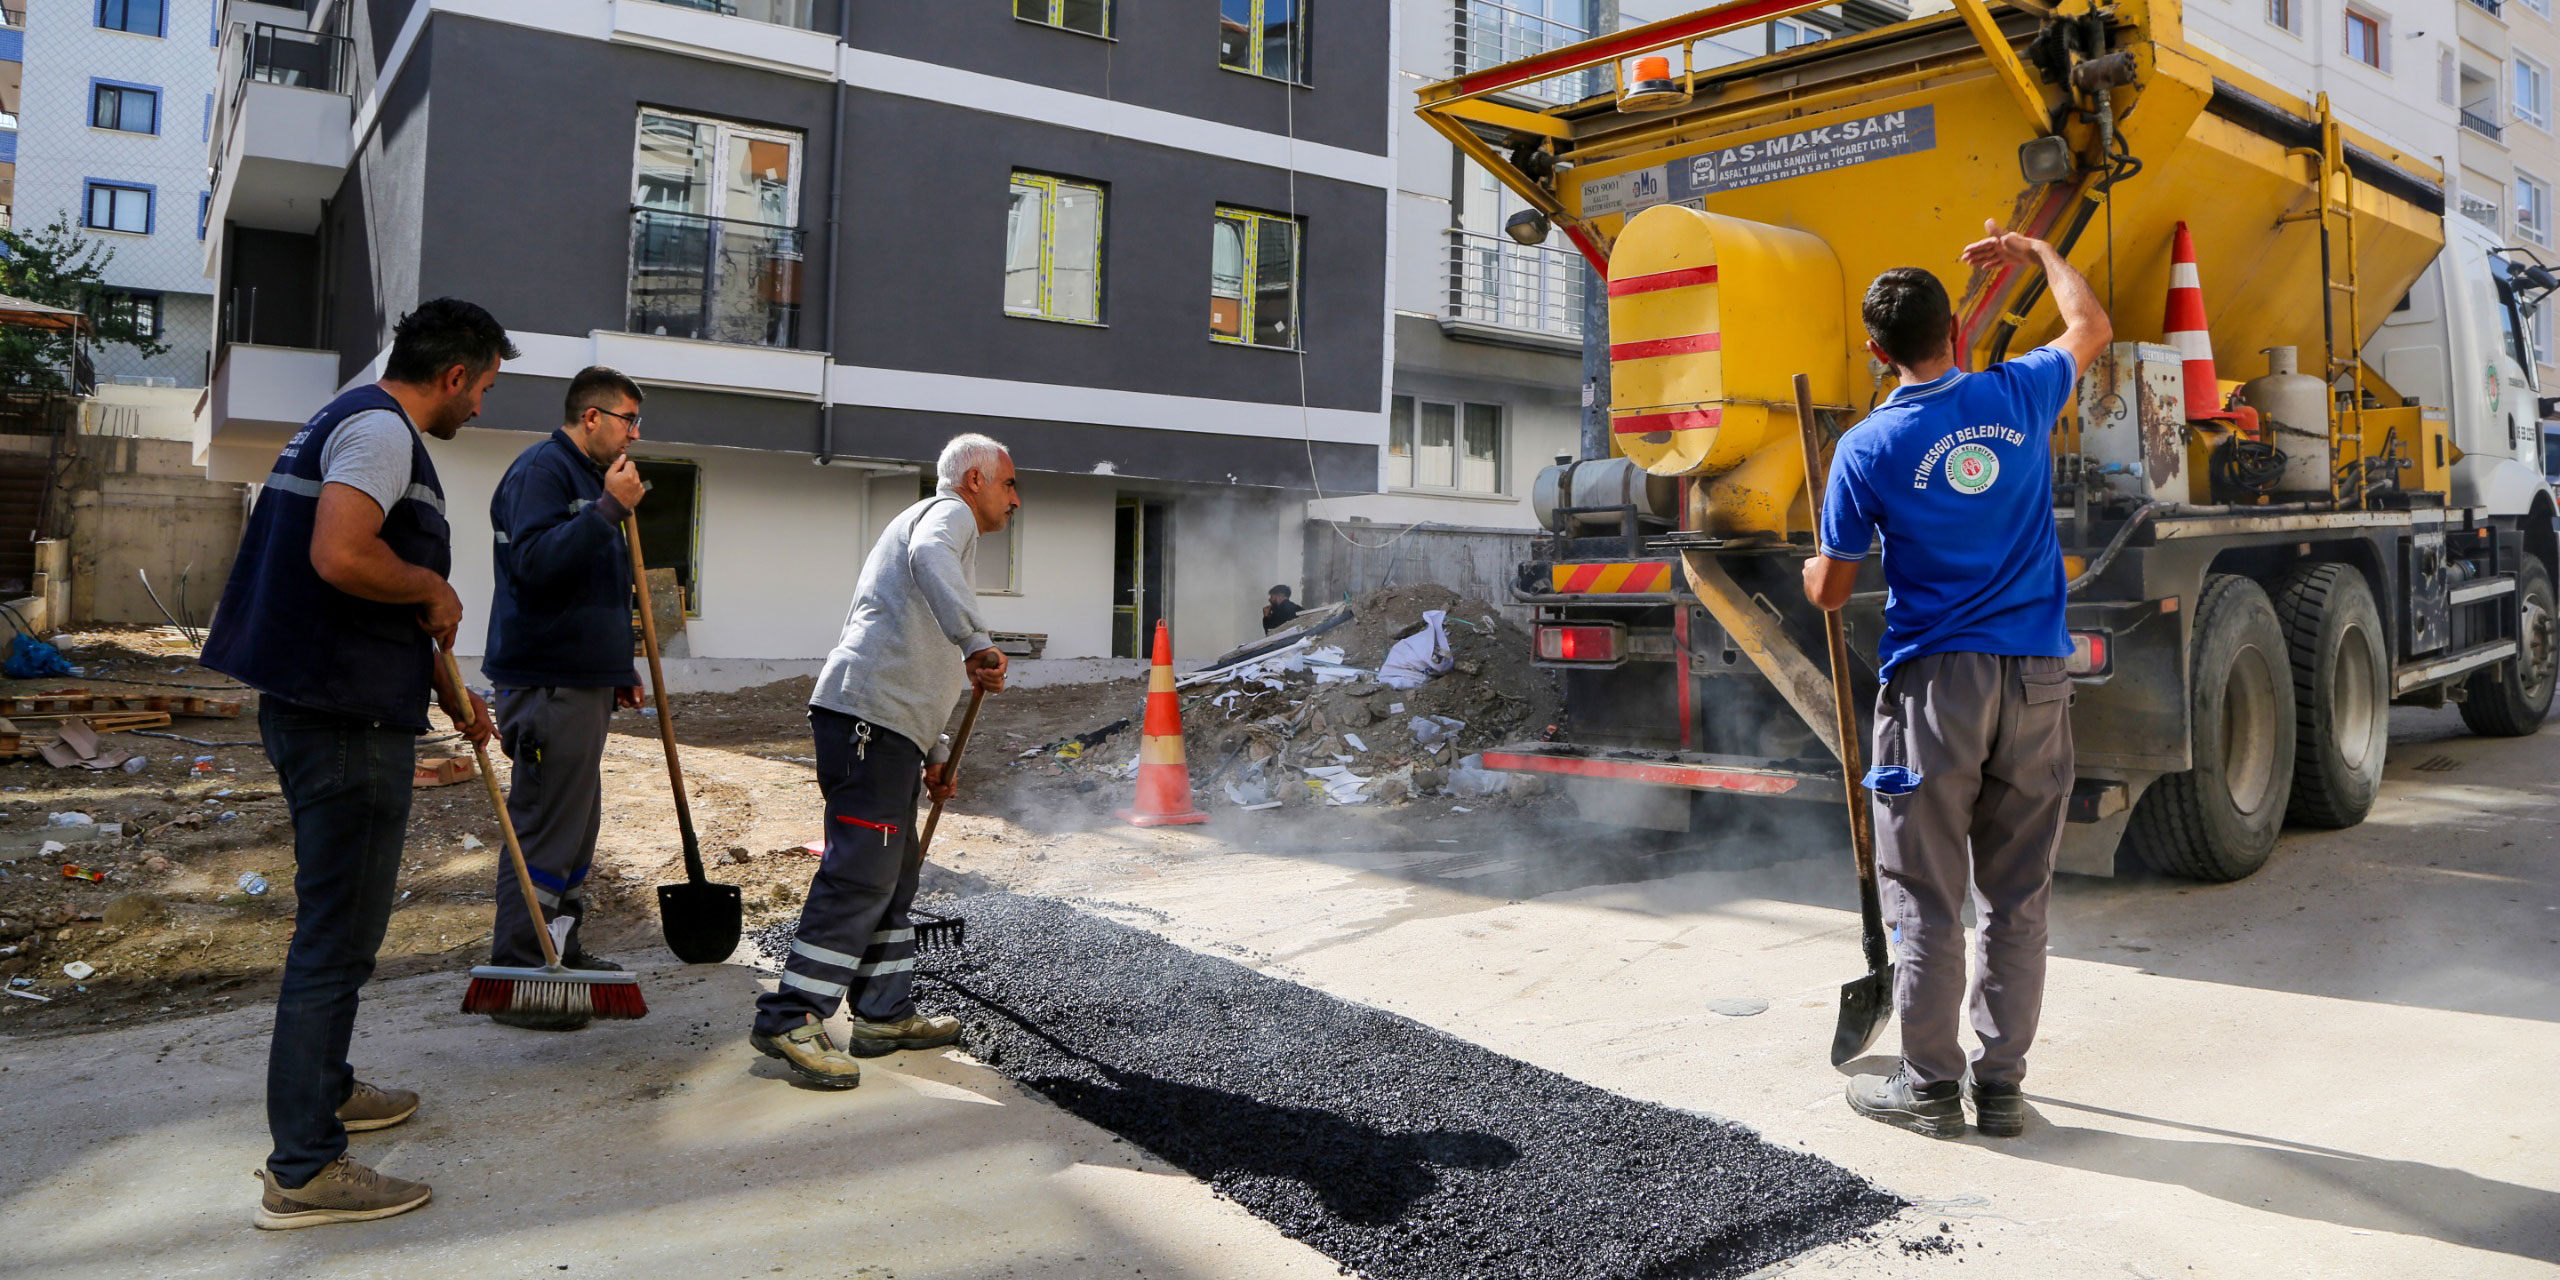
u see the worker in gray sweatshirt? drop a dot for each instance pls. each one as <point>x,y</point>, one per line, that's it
<point>912,644</point>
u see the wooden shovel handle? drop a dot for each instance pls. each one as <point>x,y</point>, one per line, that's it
<point>507,826</point>
<point>1835,631</point>
<point>951,769</point>
<point>658,690</point>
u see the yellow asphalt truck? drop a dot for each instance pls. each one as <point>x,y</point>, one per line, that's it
<point>2356,520</point>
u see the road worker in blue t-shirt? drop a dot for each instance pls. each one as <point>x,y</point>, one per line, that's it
<point>1973,733</point>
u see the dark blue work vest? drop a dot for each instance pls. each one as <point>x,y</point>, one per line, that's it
<point>286,632</point>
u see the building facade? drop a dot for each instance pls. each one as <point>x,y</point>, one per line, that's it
<point>116,105</point>
<point>826,238</point>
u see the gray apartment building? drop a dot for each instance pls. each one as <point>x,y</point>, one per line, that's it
<point>1144,242</point>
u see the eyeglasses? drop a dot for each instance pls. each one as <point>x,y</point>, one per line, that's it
<point>632,418</point>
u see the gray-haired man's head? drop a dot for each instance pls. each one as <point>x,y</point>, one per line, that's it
<point>978,471</point>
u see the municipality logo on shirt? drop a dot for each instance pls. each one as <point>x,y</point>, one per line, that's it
<point>1970,468</point>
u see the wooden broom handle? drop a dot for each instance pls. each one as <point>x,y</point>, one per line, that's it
<point>506,824</point>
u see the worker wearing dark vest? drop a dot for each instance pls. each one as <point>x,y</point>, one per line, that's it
<point>560,655</point>
<point>1972,752</point>
<point>332,611</point>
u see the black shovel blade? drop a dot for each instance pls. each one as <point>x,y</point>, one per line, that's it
<point>1865,1006</point>
<point>701,921</point>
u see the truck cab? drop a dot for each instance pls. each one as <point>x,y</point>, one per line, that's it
<point>2457,340</point>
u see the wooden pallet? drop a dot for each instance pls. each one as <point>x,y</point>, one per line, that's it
<point>98,706</point>
<point>15,744</point>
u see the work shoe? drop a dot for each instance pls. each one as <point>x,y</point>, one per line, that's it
<point>343,1192</point>
<point>1936,1110</point>
<point>541,1021</point>
<point>1999,1110</point>
<point>589,962</point>
<point>810,1055</point>
<point>369,1108</point>
<point>868,1039</point>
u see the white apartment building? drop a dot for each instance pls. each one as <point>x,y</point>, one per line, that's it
<point>2510,155</point>
<point>115,108</point>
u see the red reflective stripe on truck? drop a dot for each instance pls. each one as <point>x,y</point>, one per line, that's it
<point>1641,424</point>
<point>1655,348</point>
<point>1659,280</point>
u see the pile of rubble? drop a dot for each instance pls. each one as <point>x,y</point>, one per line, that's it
<point>1316,714</point>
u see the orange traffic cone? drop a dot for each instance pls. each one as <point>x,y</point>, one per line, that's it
<point>1164,779</point>
<point>2185,329</point>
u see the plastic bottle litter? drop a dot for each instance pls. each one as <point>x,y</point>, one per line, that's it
<point>72,819</point>
<point>253,884</point>
<point>135,764</point>
<point>78,970</point>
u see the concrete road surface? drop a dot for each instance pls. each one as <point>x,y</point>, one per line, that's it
<point>2341,1067</point>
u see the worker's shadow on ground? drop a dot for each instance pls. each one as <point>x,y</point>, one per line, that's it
<point>1364,1175</point>
<point>2301,1181</point>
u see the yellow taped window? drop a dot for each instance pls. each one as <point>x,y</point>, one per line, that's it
<point>1264,38</point>
<point>1053,250</point>
<point>1253,279</point>
<point>1092,17</point>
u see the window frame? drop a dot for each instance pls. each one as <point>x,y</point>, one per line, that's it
<point>1410,406</point>
<point>2519,67</point>
<point>2285,16</point>
<point>1250,283</point>
<point>103,303</point>
<point>89,188</point>
<point>1012,536</point>
<point>727,133</point>
<point>2540,191</point>
<point>1049,185</point>
<point>694,563</point>
<point>1301,25</point>
<point>2378,25</point>
<point>1056,21</point>
<point>98,18</point>
<point>99,88</point>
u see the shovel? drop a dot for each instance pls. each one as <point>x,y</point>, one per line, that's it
<point>1866,1004</point>
<point>701,920</point>
<point>934,932</point>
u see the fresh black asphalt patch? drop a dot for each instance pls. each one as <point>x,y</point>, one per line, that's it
<point>1396,1150</point>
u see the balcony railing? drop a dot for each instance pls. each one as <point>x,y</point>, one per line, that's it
<point>2482,125</point>
<point>268,54</point>
<point>1498,282</point>
<point>781,13</point>
<point>714,279</point>
<point>1485,33</point>
<point>2491,5</point>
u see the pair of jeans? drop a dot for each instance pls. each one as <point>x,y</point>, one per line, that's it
<point>348,783</point>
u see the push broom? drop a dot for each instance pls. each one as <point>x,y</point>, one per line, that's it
<point>553,988</point>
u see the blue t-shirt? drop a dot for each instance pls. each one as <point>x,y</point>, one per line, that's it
<point>1957,475</point>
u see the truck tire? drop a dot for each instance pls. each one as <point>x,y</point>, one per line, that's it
<point>2219,820</point>
<point>2509,700</point>
<point>2341,693</point>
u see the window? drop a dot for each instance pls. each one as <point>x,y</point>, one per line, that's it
<point>2533,209</point>
<point>1092,17</point>
<point>141,17</point>
<point>1264,37</point>
<point>112,206</point>
<point>717,170</point>
<point>2286,14</point>
<point>130,108</point>
<point>1787,33</point>
<point>2540,328</point>
<point>1053,250</point>
<point>2364,38</point>
<point>204,213</point>
<point>715,254</point>
<point>1446,446</point>
<point>671,524</point>
<point>1253,279</point>
<point>2533,92</point>
<point>142,309</point>
<point>996,575</point>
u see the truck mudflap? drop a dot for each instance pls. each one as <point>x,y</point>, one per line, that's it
<point>1691,770</point>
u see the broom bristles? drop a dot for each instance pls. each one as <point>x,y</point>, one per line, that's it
<point>618,998</point>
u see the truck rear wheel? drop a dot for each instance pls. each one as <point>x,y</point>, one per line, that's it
<point>2219,820</point>
<point>2341,693</point>
<point>2509,700</point>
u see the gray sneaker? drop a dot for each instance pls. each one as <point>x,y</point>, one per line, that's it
<point>343,1192</point>
<point>1936,1110</point>
<point>369,1108</point>
<point>868,1039</point>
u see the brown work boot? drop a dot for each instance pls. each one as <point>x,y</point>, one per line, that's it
<point>810,1055</point>
<point>369,1108</point>
<point>343,1192</point>
<point>868,1039</point>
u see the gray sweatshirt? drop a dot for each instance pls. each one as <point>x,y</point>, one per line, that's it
<point>914,619</point>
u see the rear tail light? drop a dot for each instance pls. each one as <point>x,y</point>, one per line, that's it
<point>2090,654</point>
<point>1589,642</point>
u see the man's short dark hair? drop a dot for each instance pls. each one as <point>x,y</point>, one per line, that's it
<point>597,387</point>
<point>1281,591</point>
<point>1907,314</point>
<point>444,333</point>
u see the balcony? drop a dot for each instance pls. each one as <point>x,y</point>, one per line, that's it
<point>2489,6</point>
<point>776,35</point>
<point>2482,125</point>
<point>714,279</point>
<point>1485,33</point>
<point>1504,291</point>
<point>258,398</point>
<point>2484,212</point>
<point>284,135</point>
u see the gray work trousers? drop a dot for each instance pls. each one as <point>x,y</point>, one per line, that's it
<point>1989,739</point>
<point>555,737</point>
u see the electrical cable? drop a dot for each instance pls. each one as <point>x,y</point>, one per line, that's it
<point>2251,466</point>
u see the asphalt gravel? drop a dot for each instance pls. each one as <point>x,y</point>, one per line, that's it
<point>1399,1151</point>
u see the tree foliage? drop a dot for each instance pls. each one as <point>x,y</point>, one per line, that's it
<point>58,266</point>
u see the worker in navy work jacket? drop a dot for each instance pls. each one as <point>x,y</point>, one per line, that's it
<point>1972,751</point>
<point>334,611</point>
<point>559,653</point>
